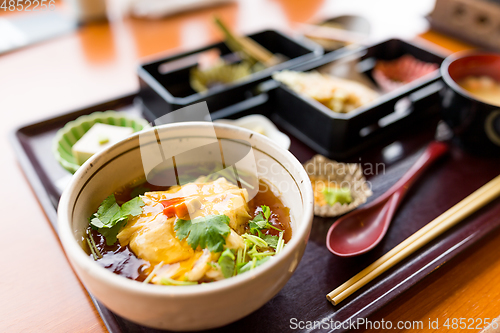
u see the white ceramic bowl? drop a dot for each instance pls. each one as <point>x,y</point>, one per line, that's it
<point>184,307</point>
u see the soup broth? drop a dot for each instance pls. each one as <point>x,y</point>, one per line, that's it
<point>484,88</point>
<point>122,260</point>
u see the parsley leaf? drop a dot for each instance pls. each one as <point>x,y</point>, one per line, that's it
<point>111,233</point>
<point>266,211</point>
<point>207,232</point>
<point>272,241</point>
<point>107,210</point>
<point>334,195</point>
<point>258,223</point>
<point>132,207</point>
<point>110,217</point>
<point>226,263</point>
<point>261,221</point>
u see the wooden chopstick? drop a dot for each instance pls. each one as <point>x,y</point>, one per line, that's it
<point>335,34</point>
<point>457,213</point>
<point>427,228</point>
<point>248,46</point>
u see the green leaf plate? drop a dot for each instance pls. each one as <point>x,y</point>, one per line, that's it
<point>67,136</point>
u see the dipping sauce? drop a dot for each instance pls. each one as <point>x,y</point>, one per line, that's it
<point>484,88</point>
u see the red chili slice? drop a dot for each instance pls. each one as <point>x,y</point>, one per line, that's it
<point>171,202</point>
<point>174,207</point>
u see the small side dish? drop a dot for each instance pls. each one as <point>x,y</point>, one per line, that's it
<point>339,32</point>
<point>351,89</point>
<point>98,137</point>
<point>321,36</point>
<point>339,95</point>
<point>202,231</point>
<point>218,73</point>
<point>262,125</point>
<point>71,155</point>
<point>337,187</point>
<point>393,74</point>
<point>483,87</point>
<point>248,57</point>
<point>471,98</point>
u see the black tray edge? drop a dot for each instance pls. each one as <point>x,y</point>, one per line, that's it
<point>31,174</point>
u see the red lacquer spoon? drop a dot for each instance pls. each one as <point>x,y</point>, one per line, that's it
<point>361,230</point>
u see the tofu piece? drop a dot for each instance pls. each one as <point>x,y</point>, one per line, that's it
<point>219,197</point>
<point>98,137</point>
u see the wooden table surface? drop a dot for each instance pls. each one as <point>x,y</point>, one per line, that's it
<point>39,291</point>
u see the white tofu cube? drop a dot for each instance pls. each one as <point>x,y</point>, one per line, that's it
<point>98,137</point>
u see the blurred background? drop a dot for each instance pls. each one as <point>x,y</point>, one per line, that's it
<point>93,47</point>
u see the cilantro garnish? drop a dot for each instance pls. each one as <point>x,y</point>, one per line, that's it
<point>106,213</point>
<point>333,195</point>
<point>110,217</point>
<point>261,221</point>
<point>226,263</point>
<point>258,223</point>
<point>207,232</point>
<point>132,207</point>
<point>272,241</point>
<point>266,211</point>
<point>111,232</point>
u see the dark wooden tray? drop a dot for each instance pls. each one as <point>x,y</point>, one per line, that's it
<point>319,272</point>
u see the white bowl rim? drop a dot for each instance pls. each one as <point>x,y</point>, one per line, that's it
<point>75,251</point>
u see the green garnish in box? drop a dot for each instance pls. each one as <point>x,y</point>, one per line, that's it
<point>340,195</point>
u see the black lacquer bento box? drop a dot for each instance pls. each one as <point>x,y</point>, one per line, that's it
<point>341,135</point>
<point>165,83</point>
<point>411,126</point>
<point>332,134</point>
